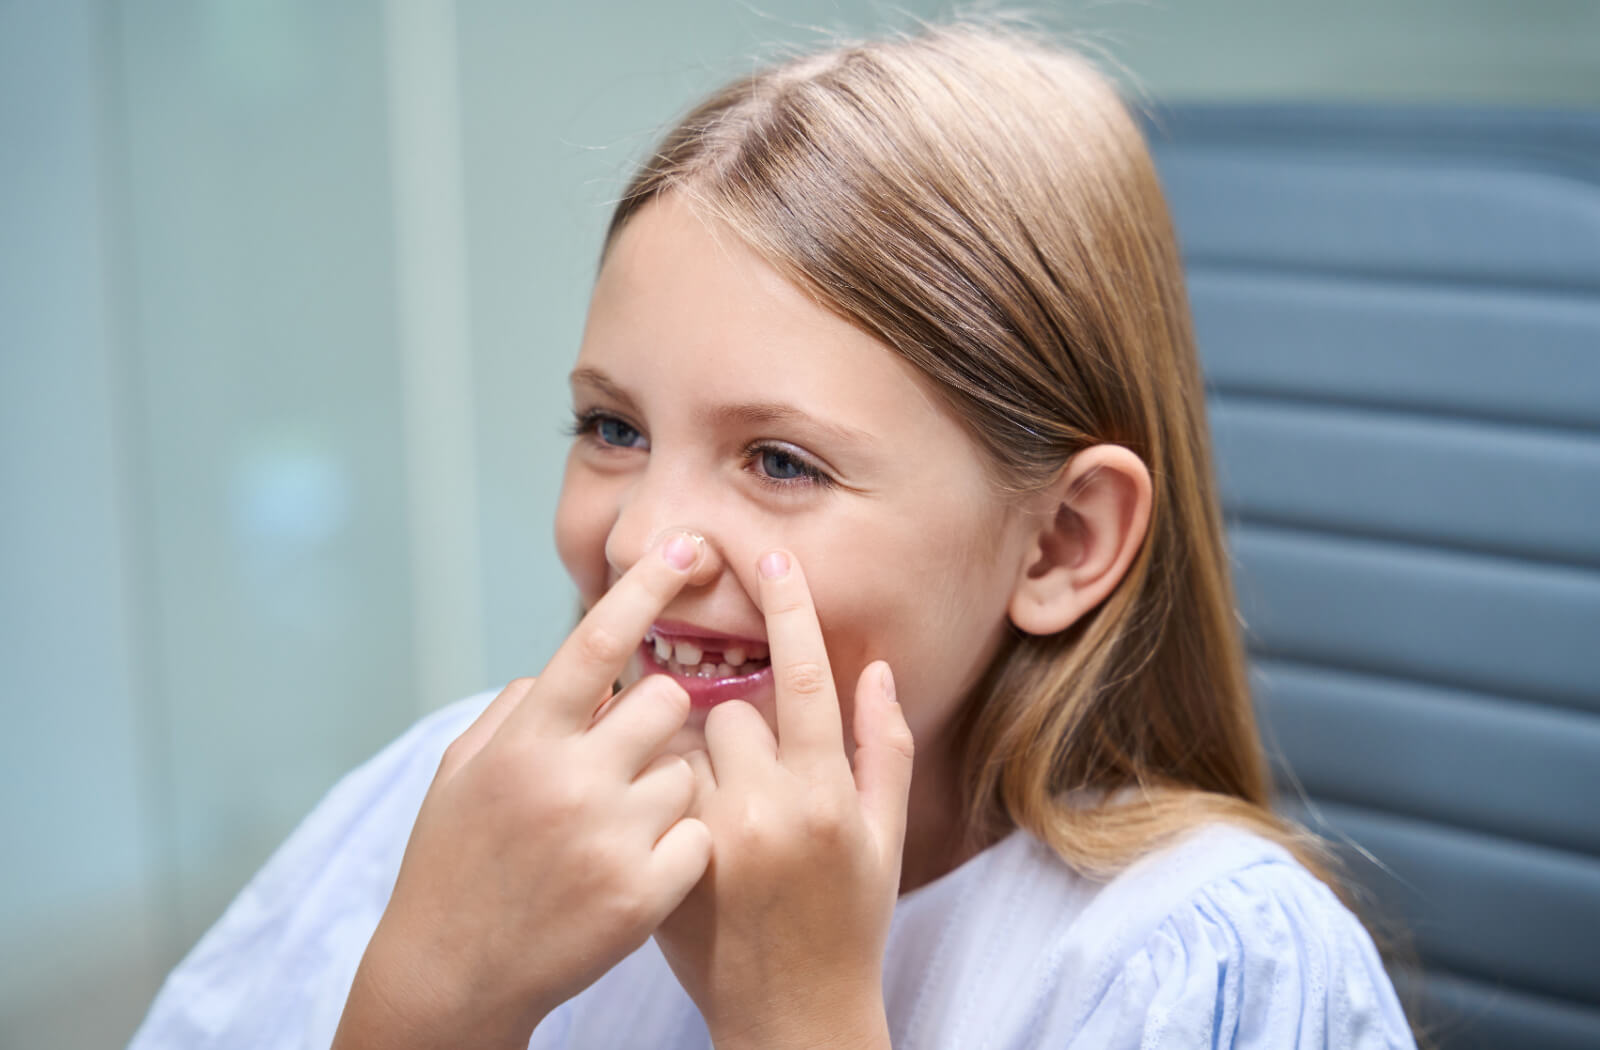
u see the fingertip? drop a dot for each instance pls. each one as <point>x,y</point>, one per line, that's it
<point>705,775</point>
<point>890,725</point>
<point>701,845</point>
<point>699,832</point>
<point>739,742</point>
<point>886,683</point>
<point>680,859</point>
<point>774,565</point>
<point>777,593</point>
<point>681,548</point>
<point>687,846</point>
<point>699,760</point>
<point>875,689</point>
<point>731,721</point>
<point>672,693</point>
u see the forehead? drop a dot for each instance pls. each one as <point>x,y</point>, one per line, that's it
<point>680,298</point>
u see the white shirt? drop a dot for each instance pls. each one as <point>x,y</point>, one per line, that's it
<point>1221,940</point>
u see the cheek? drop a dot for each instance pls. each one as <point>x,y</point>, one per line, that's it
<point>928,604</point>
<point>584,516</point>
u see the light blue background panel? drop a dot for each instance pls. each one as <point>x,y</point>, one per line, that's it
<point>288,294</point>
<point>1398,312</point>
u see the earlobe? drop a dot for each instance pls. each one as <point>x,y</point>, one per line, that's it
<point>1089,527</point>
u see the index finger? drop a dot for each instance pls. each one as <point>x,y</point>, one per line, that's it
<point>810,727</point>
<point>578,678</point>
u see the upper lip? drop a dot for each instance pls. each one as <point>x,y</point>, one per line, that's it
<point>679,629</point>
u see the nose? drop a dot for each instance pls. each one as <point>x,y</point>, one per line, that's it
<point>651,508</point>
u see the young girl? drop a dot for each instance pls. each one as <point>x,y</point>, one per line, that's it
<point>888,429</point>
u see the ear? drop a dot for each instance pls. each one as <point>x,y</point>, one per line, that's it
<point>1087,529</point>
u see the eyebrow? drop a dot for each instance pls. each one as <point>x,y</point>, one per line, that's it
<point>749,413</point>
<point>600,381</point>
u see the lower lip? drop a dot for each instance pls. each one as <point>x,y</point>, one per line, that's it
<point>708,692</point>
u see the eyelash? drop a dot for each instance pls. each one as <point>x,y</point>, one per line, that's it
<point>587,424</point>
<point>810,475</point>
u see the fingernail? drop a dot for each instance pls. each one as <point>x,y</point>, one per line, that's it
<point>681,550</point>
<point>774,565</point>
<point>888,685</point>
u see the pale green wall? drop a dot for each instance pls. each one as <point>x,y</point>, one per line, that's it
<point>282,341</point>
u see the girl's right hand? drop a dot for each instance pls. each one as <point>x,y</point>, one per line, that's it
<point>551,844</point>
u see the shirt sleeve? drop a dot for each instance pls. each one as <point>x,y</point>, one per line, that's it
<point>1264,957</point>
<point>276,968</point>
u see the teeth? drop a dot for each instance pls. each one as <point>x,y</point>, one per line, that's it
<point>706,669</point>
<point>687,658</point>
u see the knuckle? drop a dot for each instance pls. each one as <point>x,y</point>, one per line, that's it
<point>562,803</point>
<point>825,820</point>
<point>900,741</point>
<point>457,748</point>
<point>755,823</point>
<point>806,678</point>
<point>673,779</point>
<point>499,769</point>
<point>601,859</point>
<point>455,755</point>
<point>680,775</point>
<point>516,691</point>
<point>627,910</point>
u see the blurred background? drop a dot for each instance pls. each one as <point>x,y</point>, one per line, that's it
<point>288,291</point>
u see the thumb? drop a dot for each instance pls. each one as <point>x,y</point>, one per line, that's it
<point>883,757</point>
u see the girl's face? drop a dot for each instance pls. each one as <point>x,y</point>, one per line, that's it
<point>713,395</point>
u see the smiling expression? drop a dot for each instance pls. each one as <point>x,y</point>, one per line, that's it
<point>711,394</point>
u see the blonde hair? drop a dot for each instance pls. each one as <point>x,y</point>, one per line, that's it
<point>984,204</point>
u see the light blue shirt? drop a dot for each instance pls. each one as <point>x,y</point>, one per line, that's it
<point>1222,940</point>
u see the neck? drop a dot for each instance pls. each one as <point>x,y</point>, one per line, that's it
<point>936,839</point>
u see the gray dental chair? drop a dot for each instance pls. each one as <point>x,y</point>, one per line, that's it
<point>1399,317</point>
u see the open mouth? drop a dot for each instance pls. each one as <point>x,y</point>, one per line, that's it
<point>700,657</point>
<point>711,670</point>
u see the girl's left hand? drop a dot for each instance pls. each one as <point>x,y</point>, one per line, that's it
<point>781,943</point>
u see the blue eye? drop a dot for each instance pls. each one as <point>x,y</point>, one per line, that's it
<point>783,467</point>
<point>777,466</point>
<point>613,431</point>
<point>607,430</point>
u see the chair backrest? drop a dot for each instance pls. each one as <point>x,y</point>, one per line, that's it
<point>1399,316</point>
